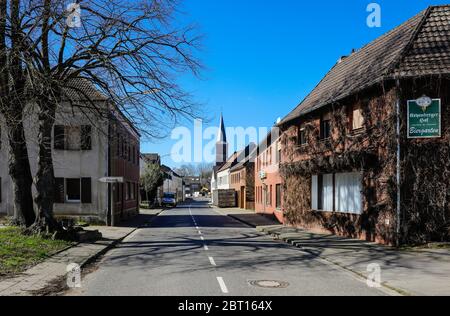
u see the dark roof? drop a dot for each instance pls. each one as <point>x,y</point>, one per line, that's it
<point>238,158</point>
<point>151,157</point>
<point>250,158</point>
<point>80,89</point>
<point>230,162</point>
<point>418,47</point>
<point>166,169</point>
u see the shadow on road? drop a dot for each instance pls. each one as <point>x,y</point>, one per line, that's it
<point>185,221</point>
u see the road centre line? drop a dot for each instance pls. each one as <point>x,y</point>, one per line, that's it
<point>222,285</point>
<point>211,260</point>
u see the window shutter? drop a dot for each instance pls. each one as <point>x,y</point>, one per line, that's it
<point>86,191</point>
<point>315,193</point>
<point>86,138</point>
<point>59,190</point>
<point>58,137</point>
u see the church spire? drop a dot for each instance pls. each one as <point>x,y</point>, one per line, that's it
<point>222,135</point>
<point>221,145</point>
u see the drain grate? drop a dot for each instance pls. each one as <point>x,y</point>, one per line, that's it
<point>269,284</point>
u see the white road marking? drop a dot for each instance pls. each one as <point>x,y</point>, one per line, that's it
<point>223,287</point>
<point>206,247</point>
<point>211,259</point>
<point>200,233</point>
<point>202,238</point>
<point>196,227</point>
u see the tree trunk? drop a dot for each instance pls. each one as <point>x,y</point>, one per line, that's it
<point>20,172</point>
<point>47,104</point>
<point>45,178</point>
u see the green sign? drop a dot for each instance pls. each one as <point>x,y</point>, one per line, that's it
<point>424,118</point>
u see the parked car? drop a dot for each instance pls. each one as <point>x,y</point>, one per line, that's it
<point>169,200</point>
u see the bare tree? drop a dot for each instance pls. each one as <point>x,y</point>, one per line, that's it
<point>205,170</point>
<point>13,74</point>
<point>130,50</point>
<point>186,170</point>
<point>152,178</point>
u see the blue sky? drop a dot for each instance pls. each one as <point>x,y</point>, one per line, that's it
<point>263,57</point>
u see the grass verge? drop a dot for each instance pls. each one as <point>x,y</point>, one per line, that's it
<point>19,252</point>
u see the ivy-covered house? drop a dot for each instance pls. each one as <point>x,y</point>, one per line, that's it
<point>367,153</point>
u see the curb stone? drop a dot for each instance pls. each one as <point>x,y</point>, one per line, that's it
<point>57,284</point>
<point>291,241</point>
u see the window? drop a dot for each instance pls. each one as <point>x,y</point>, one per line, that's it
<point>73,190</point>
<point>86,139</point>
<point>122,147</point>
<point>257,194</point>
<point>339,192</point>
<point>278,196</point>
<point>72,137</point>
<point>128,195</point>
<point>325,128</point>
<point>348,193</point>
<point>269,196</point>
<point>302,137</point>
<point>322,192</point>
<point>278,149</point>
<point>118,145</point>
<point>357,118</point>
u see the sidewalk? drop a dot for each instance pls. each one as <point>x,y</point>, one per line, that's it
<point>40,279</point>
<point>248,217</point>
<point>424,272</point>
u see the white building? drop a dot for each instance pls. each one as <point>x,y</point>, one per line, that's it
<point>218,181</point>
<point>84,151</point>
<point>173,183</point>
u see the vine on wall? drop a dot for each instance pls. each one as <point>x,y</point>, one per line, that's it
<point>425,168</point>
<point>370,151</point>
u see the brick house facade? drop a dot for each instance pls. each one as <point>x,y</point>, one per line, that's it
<point>87,145</point>
<point>268,181</point>
<point>348,166</point>
<point>242,180</point>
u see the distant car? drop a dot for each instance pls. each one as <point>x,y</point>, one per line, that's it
<point>169,200</point>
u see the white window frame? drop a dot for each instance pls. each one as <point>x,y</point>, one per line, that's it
<point>355,191</point>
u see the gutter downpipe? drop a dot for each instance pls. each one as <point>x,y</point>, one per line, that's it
<point>398,228</point>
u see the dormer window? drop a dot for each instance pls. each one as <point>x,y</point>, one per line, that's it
<point>302,141</point>
<point>357,118</point>
<point>325,127</point>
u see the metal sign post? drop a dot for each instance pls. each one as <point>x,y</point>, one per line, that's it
<point>113,181</point>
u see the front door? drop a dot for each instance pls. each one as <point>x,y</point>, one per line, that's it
<point>242,199</point>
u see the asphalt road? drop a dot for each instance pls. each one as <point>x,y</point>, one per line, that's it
<point>194,251</point>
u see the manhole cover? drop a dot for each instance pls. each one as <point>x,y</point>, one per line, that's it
<point>270,284</point>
